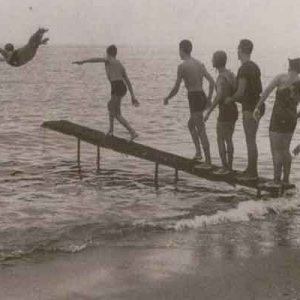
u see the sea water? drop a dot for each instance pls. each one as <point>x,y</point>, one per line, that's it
<point>47,205</point>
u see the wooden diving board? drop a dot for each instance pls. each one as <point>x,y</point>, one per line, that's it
<point>179,163</point>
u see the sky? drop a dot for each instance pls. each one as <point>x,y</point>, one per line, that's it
<point>218,23</point>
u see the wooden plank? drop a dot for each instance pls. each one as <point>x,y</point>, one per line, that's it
<point>120,145</point>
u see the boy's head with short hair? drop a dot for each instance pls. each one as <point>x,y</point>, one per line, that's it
<point>112,51</point>
<point>294,65</point>
<point>9,47</point>
<point>185,48</point>
<point>219,59</point>
<point>245,48</point>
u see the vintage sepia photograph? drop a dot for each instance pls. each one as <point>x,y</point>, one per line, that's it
<point>149,150</point>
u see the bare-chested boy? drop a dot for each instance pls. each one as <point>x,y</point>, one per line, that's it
<point>192,72</point>
<point>119,81</point>
<point>228,113</point>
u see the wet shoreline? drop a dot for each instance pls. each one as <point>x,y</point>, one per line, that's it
<point>143,272</point>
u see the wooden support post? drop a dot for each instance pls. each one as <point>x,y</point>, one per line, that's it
<point>98,158</point>
<point>258,193</point>
<point>176,175</point>
<point>282,189</point>
<point>78,152</point>
<point>156,174</point>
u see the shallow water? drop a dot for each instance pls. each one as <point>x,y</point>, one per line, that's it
<point>47,205</point>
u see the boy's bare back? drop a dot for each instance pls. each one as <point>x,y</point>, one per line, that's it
<point>192,73</point>
<point>114,70</point>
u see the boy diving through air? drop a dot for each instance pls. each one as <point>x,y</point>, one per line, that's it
<point>117,76</point>
<point>21,56</point>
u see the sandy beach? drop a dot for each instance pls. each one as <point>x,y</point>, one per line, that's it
<point>154,273</point>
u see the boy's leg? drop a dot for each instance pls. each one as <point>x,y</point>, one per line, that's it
<point>195,138</point>
<point>221,144</point>
<point>287,157</point>
<point>276,146</point>
<point>250,128</point>
<point>200,125</point>
<point>230,153</point>
<point>124,122</point>
<point>229,144</point>
<point>36,39</point>
<point>116,110</point>
<point>111,118</point>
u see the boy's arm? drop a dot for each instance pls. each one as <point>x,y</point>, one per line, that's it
<point>238,95</point>
<point>211,82</point>
<point>296,150</point>
<point>4,54</point>
<point>219,95</point>
<point>129,85</point>
<point>265,94</point>
<point>90,60</point>
<point>176,87</point>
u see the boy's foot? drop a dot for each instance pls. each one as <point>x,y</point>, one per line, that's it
<point>222,171</point>
<point>133,136</point>
<point>272,184</point>
<point>287,185</point>
<point>247,177</point>
<point>203,166</point>
<point>44,41</point>
<point>197,157</point>
<point>43,30</point>
<point>109,133</point>
<point>244,172</point>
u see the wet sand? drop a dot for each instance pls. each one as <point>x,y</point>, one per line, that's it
<point>154,273</point>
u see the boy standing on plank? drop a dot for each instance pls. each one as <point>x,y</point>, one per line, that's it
<point>249,88</point>
<point>192,72</point>
<point>228,113</point>
<point>117,76</point>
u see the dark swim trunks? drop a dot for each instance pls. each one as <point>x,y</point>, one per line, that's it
<point>284,114</point>
<point>118,88</point>
<point>197,101</point>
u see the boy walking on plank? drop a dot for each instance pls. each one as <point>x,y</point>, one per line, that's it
<point>117,76</point>
<point>192,72</point>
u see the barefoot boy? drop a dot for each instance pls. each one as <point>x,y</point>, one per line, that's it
<point>21,56</point>
<point>228,113</point>
<point>119,81</point>
<point>192,72</point>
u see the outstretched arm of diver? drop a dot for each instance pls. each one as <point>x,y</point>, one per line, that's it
<point>134,101</point>
<point>176,87</point>
<point>90,60</point>
<point>265,94</point>
<point>216,100</point>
